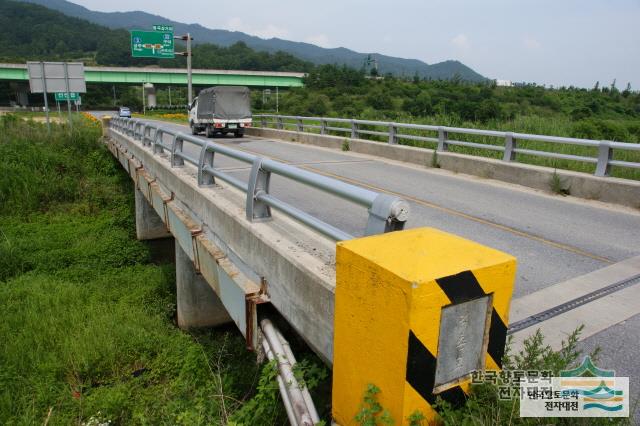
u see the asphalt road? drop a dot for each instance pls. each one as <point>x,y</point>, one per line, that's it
<point>554,238</point>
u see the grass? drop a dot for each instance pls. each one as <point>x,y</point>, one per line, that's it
<point>88,321</point>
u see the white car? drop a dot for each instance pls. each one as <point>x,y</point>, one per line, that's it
<point>124,112</point>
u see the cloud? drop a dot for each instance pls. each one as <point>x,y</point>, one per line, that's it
<point>531,43</point>
<point>270,31</point>
<point>461,41</point>
<point>321,40</point>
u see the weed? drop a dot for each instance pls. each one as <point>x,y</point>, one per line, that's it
<point>416,418</point>
<point>557,185</point>
<point>345,145</point>
<point>434,160</point>
<point>264,408</point>
<point>87,330</point>
<point>371,412</point>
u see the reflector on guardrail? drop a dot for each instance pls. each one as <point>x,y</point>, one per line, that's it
<point>416,312</point>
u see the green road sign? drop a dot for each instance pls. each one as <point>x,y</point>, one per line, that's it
<point>152,44</point>
<point>62,96</point>
<point>163,28</point>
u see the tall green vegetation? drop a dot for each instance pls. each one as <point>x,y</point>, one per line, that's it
<point>87,325</point>
<point>339,91</point>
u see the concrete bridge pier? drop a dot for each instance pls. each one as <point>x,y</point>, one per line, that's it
<point>149,226</point>
<point>150,91</point>
<point>197,304</point>
<point>21,92</point>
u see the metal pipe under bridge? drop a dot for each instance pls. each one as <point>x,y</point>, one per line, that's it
<point>172,76</point>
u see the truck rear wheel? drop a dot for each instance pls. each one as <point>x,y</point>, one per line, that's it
<point>238,134</point>
<point>209,132</point>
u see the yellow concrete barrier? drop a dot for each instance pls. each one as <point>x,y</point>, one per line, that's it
<point>416,312</point>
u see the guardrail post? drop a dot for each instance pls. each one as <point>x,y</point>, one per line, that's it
<point>176,146</point>
<point>143,133</point>
<point>157,141</point>
<point>280,124</point>
<point>442,139</point>
<point>299,125</point>
<point>149,138</point>
<point>263,121</point>
<point>323,127</point>
<point>256,210</point>
<point>206,160</point>
<point>354,130</point>
<point>393,131</point>
<point>509,147</point>
<point>386,214</point>
<point>415,321</point>
<point>605,154</point>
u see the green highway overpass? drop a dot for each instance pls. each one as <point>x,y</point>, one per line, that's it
<point>170,76</point>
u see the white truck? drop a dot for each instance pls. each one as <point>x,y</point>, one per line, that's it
<point>222,110</point>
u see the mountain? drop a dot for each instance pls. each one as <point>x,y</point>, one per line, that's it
<point>34,32</point>
<point>305,51</point>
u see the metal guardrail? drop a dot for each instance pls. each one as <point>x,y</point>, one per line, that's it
<point>510,150</point>
<point>386,212</point>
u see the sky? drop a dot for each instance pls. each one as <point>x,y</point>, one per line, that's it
<point>552,42</point>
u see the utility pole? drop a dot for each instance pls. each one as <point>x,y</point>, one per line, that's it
<point>188,54</point>
<point>144,108</point>
<point>170,97</point>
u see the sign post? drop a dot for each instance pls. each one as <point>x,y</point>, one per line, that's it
<point>44,91</point>
<point>66,82</point>
<point>159,44</point>
<point>188,39</point>
<point>57,77</point>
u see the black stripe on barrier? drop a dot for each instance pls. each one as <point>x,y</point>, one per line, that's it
<point>463,287</point>
<point>497,338</point>
<point>421,374</point>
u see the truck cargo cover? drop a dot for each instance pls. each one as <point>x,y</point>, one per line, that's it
<point>224,102</point>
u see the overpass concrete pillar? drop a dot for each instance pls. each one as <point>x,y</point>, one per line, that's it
<point>150,90</point>
<point>22,93</point>
<point>197,304</point>
<point>149,226</point>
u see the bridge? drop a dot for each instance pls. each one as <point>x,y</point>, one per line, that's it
<point>296,220</point>
<point>169,76</point>
<point>150,77</point>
